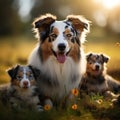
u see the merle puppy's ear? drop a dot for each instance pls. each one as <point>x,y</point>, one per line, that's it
<point>35,71</point>
<point>13,71</point>
<point>79,22</point>
<point>44,21</point>
<point>88,56</point>
<point>105,58</point>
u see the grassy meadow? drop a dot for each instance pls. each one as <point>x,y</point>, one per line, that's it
<point>16,50</point>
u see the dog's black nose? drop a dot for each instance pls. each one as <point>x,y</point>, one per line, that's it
<point>61,46</point>
<point>97,67</point>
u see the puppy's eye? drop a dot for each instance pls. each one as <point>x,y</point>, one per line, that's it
<point>90,63</point>
<point>53,35</point>
<point>19,77</point>
<point>31,75</point>
<point>68,35</point>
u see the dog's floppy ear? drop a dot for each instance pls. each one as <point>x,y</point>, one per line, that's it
<point>44,21</point>
<point>88,56</point>
<point>42,25</point>
<point>105,58</point>
<point>35,71</point>
<point>13,71</point>
<point>78,22</point>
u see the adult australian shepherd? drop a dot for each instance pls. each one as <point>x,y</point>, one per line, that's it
<point>59,55</point>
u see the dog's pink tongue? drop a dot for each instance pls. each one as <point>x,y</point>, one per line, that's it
<point>61,58</point>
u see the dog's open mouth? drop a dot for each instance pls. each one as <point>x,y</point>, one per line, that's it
<point>61,56</point>
<point>95,70</point>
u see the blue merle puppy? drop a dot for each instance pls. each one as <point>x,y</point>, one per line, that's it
<point>96,79</point>
<point>22,88</point>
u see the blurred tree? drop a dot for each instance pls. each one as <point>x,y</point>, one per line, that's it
<point>42,7</point>
<point>9,20</point>
<point>62,8</point>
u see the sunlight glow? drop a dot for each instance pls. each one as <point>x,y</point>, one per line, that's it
<point>110,3</point>
<point>100,18</point>
<point>24,10</point>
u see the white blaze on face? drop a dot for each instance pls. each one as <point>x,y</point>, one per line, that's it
<point>60,25</point>
<point>60,40</point>
<point>97,66</point>
<point>25,81</point>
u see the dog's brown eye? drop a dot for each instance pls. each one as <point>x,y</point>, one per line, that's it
<point>68,35</point>
<point>53,35</point>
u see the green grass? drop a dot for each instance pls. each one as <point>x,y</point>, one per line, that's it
<point>16,50</point>
<point>87,109</point>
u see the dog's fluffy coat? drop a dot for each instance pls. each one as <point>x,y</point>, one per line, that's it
<point>96,79</point>
<point>22,87</point>
<point>59,54</point>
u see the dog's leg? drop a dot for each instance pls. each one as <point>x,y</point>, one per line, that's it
<point>113,84</point>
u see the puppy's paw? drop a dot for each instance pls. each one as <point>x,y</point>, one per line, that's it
<point>40,108</point>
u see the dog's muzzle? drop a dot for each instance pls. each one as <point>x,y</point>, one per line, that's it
<point>97,68</point>
<point>61,55</point>
<point>61,47</point>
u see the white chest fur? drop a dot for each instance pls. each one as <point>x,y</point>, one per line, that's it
<point>67,75</point>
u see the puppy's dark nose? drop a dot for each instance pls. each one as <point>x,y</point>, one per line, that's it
<point>97,67</point>
<point>61,46</point>
<point>25,83</point>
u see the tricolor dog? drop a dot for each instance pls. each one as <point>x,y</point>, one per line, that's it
<point>23,86</point>
<point>59,54</point>
<point>96,78</point>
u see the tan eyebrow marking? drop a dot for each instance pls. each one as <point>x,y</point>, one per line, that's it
<point>55,30</point>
